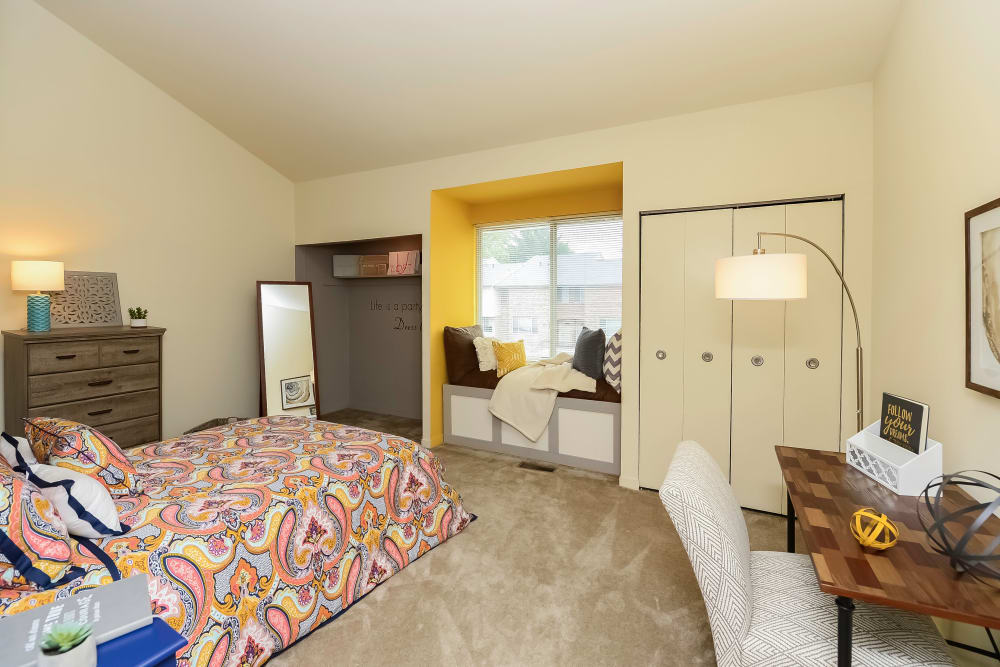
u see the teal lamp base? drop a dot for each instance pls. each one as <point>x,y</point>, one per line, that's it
<point>38,312</point>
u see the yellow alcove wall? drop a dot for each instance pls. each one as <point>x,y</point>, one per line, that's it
<point>454,214</point>
<point>452,275</point>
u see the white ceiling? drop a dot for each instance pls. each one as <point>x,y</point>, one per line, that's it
<point>323,87</point>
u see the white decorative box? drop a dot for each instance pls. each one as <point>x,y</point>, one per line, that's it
<point>894,467</point>
<point>346,266</point>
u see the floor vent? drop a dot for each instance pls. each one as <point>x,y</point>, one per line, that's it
<point>540,467</point>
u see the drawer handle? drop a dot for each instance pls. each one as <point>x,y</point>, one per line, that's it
<point>99,383</point>
<point>135,351</point>
<point>99,412</point>
<point>65,356</point>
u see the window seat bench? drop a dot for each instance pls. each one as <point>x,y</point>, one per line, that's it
<point>582,432</point>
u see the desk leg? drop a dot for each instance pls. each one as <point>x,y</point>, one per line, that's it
<point>791,524</point>
<point>845,630</point>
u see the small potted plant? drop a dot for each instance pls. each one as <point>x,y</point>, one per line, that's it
<point>68,645</point>
<point>138,316</point>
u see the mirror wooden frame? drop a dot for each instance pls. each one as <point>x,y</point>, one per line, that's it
<point>262,403</point>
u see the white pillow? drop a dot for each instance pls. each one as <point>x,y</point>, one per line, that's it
<point>11,446</point>
<point>484,352</point>
<point>83,503</point>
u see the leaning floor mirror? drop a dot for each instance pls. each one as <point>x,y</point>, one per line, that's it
<point>288,383</point>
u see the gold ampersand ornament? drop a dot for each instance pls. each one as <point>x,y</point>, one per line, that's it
<point>873,529</point>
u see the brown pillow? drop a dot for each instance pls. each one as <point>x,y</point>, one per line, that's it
<point>459,352</point>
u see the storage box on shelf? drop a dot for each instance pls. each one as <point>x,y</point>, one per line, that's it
<point>894,467</point>
<point>374,265</point>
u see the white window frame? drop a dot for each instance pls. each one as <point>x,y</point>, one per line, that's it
<point>553,224</point>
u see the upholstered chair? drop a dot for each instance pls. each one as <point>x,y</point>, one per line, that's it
<point>765,607</point>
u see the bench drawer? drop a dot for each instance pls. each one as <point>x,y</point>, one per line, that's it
<point>80,385</point>
<point>59,357</point>
<point>122,351</point>
<point>97,411</point>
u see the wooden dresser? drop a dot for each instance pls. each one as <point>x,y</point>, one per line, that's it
<point>105,377</point>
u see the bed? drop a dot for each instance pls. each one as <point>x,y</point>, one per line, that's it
<point>253,534</point>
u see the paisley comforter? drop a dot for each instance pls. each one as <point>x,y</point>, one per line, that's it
<point>255,533</point>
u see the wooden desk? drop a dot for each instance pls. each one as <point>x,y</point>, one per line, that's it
<point>823,493</point>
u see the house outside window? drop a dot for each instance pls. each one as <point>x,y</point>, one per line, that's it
<point>611,326</point>
<point>543,281</point>
<point>524,324</point>
<point>569,295</point>
<point>569,331</point>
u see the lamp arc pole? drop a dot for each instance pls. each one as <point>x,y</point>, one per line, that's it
<point>759,250</point>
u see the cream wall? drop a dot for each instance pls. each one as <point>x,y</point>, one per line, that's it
<point>937,155</point>
<point>102,170</point>
<point>810,144</point>
<point>937,102</point>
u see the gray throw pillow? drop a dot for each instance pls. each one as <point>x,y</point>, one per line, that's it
<point>588,357</point>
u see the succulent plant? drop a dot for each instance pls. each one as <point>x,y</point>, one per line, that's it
<point>64,637</point>
<point>137,313</point>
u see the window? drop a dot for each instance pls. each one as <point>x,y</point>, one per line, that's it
<point>544,281</point>
<point>524,324</point>
<point>569,331</point>
<point>569,295</point>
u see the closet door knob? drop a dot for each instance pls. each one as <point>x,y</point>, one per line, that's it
<point>812,363</point>
<point>661,355</point>
<point>707,357</point>
<point>757,360</point>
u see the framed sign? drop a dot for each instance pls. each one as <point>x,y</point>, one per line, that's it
<point>982,298</point>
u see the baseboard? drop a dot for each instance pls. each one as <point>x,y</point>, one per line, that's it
<point>629,482</point>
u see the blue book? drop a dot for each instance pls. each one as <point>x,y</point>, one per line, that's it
<point>152,646</point>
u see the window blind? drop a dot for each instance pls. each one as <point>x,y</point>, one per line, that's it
<point>542,281</point>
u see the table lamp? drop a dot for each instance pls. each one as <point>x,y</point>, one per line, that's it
<point>780,276</point>
<point>28,276</point>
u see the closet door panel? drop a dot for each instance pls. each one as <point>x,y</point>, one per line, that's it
<point>758,388</point>
<point>813,329</point>
<point>707,334</point>
<point>661,334</point>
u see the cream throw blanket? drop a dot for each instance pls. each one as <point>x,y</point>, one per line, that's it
<point>525,397</point>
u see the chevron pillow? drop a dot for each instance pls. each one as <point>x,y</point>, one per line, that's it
<point>613,362</point>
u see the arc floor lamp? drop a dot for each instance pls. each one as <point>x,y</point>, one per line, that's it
<point>780,276</point>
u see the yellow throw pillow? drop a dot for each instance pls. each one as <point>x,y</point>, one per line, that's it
<point>510,356</point>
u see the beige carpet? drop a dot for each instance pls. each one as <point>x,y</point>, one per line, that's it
<point>561,568</point>
<point>401,426</point>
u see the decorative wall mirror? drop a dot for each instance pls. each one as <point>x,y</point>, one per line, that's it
<point>287,336</point>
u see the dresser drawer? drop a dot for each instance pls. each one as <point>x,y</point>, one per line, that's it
<point>122,351</point>
<point>97,411</point>
<point>134,431</point>
<point>79,385</point>
<point>59,357</point>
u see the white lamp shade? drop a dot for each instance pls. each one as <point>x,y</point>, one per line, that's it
<point>31,276</point>
<point>760,277</point>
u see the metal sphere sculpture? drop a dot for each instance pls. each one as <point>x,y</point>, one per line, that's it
<point>953,530</point>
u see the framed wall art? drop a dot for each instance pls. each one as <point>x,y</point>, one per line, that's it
<point>90,299</point>
<point>296,392</point>
<point>982,298</point>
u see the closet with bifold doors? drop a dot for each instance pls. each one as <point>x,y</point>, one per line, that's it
<point>739,377</point>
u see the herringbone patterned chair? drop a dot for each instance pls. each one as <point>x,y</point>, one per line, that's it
<point>765,607</point>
